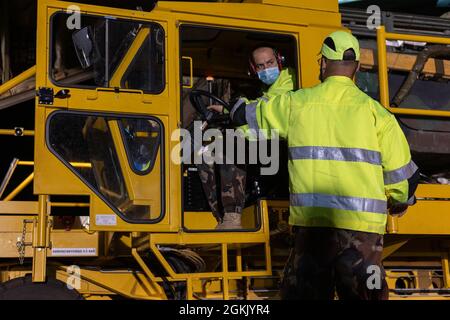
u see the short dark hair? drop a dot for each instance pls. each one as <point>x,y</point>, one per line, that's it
<point>349,55</point>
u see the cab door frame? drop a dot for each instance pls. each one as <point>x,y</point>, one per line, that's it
<point>52,177</point>
<point>229,24</point>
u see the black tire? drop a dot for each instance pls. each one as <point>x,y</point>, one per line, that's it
<point>24,289</point>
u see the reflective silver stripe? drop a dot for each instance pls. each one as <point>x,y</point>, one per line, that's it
<point>338,202</point>
<point>236,105</point>
<point>405,172</point>
<point>250,115</point>
<point>333,153</point>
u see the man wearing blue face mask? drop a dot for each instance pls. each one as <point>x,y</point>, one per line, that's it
<point>267,64</point>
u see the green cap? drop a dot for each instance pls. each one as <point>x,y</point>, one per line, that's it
<point>340,42</point>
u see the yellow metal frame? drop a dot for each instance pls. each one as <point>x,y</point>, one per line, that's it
<point>145,285</point>
<point>225,241</point>
<point>5,87</point>
<point>382,36</point>
<point>191,72</point>
<point>145,189</point>
<point>30,177</point>
<point>132,285</point>
<point>141,36</point>
<point>12,132</point>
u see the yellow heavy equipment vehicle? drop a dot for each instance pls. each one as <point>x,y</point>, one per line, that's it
<point>110,213</point>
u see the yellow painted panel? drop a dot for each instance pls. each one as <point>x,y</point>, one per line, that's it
<point>77,239</point>
<point>324,15</point>
<point>51,176</point>
<point>14,223</point>
<point>19,207</point>
<point>199,221</point>
<point>206,221</point>
<point>433,191</point>
<point>113,222</point>
<point>322,5</point>
<point>426,217</point>
<point>11,232</point>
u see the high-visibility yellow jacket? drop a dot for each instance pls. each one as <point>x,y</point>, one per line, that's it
<point>284,83</point>
<point>348,157</point>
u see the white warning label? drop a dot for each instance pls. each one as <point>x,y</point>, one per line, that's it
<point>68,252</point>
<point>106,220</point>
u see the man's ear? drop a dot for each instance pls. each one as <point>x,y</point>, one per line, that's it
<point>323,67</point>
<point>356,70</point>
<point>323,64</point>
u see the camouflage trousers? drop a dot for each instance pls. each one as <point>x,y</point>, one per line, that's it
<point>231,197</point>
<point>326,261</point>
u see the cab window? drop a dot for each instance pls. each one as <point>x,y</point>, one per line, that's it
<point>107,52</point>
<point>114,156</point>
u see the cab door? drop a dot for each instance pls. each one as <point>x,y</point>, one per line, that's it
<point>103,113</point>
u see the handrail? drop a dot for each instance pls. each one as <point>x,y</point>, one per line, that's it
<point>191,72</point>
<point>382,36</point>
<point>17,80</point>
<point>8,175</point>
<point>16,162</point>
<point>18,132</point>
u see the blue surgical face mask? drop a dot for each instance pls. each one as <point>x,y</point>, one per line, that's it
<point>269,75</point>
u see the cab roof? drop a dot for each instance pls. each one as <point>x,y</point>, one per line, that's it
<point>294,12</point>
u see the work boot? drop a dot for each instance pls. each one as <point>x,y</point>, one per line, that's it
<point>231,220</point>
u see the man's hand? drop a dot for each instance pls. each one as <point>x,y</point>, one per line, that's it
<point>216,107</point>
<point>398,210</point>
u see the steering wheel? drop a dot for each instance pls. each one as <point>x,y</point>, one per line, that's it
<point>198,102</point>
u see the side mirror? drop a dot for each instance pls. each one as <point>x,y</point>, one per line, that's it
<point>83,42</point>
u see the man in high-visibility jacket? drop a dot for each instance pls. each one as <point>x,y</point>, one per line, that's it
<point>267,64</point>
<point>349,165</point>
